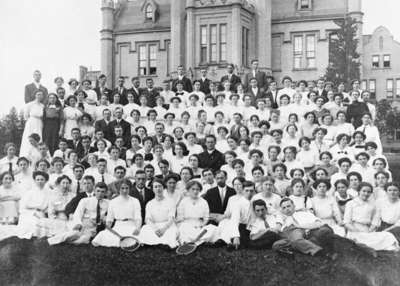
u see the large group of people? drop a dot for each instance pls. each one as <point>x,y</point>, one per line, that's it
<point>257,163</point>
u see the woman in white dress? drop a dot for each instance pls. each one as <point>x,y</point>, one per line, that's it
<point>71,116</point>
<point>125,211</point>
<point>361,221</point>
<point>33,206</point>
<point>343,127</point>
<point>180,159</point>
<point>389,210</point>
<point>236,215</point>
<point>193,214</point>
<point>309,125</point>
<point>57,220</point>
<point>9,197</point>
<point>160,227</point>
<point>325,207</point>
<point>33,115</point>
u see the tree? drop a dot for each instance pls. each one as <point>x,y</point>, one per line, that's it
<point>344,60</point>
<point>387,119</point>
<point>11,128</point>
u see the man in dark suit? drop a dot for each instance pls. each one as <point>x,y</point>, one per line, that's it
<point>75,143</point>
<point>233,79</point>
<point>165,171</point>
<point>84,191</point>
<point>119,121</point>
<point>140,192</point>
<point>187,84</point>
<point>102,88</point>
<point>255,92</point>
<point>104,124</point>
<point>121,90</point>
<point>217,198</point>
<point>273,93</point>
<point>211,158</point>
<point>204,81</point>
<point>158,138</point>
<point>84,149</point>
<point>150,92</point>
<point>135,89</point>
<point>31,88</point>
<point>262,80</point>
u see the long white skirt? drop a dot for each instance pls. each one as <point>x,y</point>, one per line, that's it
<point>108,239</point>
<point>189,230</point>
<point>376,240</point>
<point>148,236</point>
<point>74,236</point>
<point>227,230</point>
<point>28,224</point>
<point>33,125</point>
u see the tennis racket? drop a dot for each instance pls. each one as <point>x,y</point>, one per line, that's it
<point>190,247</point>
<point>127,243</point>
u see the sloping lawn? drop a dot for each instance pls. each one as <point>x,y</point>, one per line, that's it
<point>25,262</point>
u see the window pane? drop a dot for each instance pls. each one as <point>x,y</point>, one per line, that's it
<point>397,87</point>
<point>149,11</point>
<point>386,61</point>
<point>142,60</point>
<point>389,84</point>
<point>375,61</point>
<point>298,44</point>
<point>222,42</point>
<point>310,51</point>
<point>223,52</point>
<point>372,85</point>
<point>153,59</point>
<point>304,4</point>
<point>213,52</point>
<point>364,85</point>
<point>245,46</point>
<point>213,32</point>
<point>297,62</point>
<point>203,44</point>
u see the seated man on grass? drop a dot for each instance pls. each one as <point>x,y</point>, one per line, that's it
<point>263,228</point>
<point>304,232</point>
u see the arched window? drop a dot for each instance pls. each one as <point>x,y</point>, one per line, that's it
<point>381,43</point>
<point>149,12</point>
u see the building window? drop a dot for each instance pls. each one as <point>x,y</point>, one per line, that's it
<point>148,59</point>
<point>364,85</point>
<point>149,12</point>
<point>304,4</point>
<point>310,51</point>
<point>372,88</point>
<point>298,51</point>
<point>213,43</point>
<point>375,61</point>
<point>203,44</point>
<point>389,88</point>
<point>245,46</point>
<point>222,42</point>
<point>386,61</point>
<point>398,88</point>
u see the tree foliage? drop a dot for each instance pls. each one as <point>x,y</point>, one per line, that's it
<point>387,118</point>
<point>344,60</point>
<point>11,128</point>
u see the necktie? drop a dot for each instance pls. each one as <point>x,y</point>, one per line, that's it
<point>63,156</point>
<point>78,187</point>
<point>10,167</point>
<point>98,212</point>
<point>222,195</point>
<point>365,127</point>
<point>102,178</point>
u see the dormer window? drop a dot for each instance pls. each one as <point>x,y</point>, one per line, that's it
<point>149,9</point>
<point>304,4</point>
<point>149,12</point>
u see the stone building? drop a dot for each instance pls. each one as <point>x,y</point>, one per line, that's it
<point>381,65</point>
<point>150,38</point>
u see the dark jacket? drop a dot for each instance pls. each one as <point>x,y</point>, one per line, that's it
<point>213,161</point>
<point>73,204</point>
<point>151,96</point>
<point>123,94</point>
<point>148,196</point>
<point>205,85</point>
<point>214,199</point>
<point>187,84</point>
<point>126,130</point>
<point>235,80</point>
<point>30,90</point>
<point>135,94</point>
<point>102,125</point>
<point>261,77</point>
<point>106,91</point>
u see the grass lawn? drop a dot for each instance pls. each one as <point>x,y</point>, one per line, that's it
<point>33,262</point>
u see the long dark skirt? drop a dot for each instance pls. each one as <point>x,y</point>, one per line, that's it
<point>51,129</point>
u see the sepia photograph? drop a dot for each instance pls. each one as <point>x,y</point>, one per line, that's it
<point>200,142</point>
